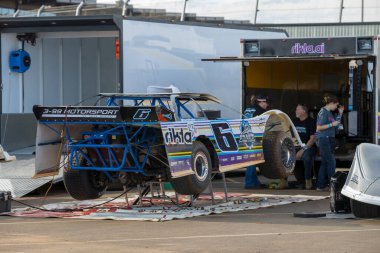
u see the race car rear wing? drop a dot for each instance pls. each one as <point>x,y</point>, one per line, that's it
<point>102,114</point>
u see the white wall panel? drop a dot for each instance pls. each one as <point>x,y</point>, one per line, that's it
<point>11,82</point>
<point>170,54</point>
<point>33,78</point>
<point>71,71</point>
<point>51,69</point>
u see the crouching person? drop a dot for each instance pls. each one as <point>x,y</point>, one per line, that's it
<point>306,128</point>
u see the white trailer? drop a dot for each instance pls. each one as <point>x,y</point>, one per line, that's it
<point>165,54</point>
<point>75,58</point>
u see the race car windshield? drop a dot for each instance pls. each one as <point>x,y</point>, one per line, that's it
<point>201,110</point>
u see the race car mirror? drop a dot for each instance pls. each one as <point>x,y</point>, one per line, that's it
<point>19,61</point>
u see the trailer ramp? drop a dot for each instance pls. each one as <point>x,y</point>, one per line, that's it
<point>16,176</point>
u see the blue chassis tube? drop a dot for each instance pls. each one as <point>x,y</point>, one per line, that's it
<point>140,139</point>
<point>97,140</point>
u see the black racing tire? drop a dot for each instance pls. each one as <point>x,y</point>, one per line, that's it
<point>84,184</point>
<point>279,155</point>
<point>364,210</point>
<point>202,166</point>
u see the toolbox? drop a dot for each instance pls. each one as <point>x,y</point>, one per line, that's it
<point>5,201</point>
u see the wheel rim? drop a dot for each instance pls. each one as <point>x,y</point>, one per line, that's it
<point>287,153</point>
<point>98,179</point>
<point>201,166</point>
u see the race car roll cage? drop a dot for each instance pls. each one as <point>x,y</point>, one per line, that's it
<point>138,141</point>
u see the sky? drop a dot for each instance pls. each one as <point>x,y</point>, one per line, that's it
<point>271,11</point>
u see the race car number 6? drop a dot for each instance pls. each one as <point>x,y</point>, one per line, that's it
<point>224,137</point>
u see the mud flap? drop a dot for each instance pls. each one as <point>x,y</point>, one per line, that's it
<point>50,146</point>
<point>48,150</point>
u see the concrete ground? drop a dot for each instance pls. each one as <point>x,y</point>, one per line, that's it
<point>262,230</point>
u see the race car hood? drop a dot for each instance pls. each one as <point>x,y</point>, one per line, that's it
<point>363,181</point>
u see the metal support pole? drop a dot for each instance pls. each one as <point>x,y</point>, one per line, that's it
<point>16,13</point>
<point>183,11</point>
<point>211,193</point>
<point>362,10</point>
<point>256,11</point>
<point>341,11</point>
<point>126,194</point>
<point>225,187</point>
<point>140,194</point>
<point>151,189</point>
<point>79,8</point>
<point>40,10</point>
<point>125,7</point>
<point>162,188</point>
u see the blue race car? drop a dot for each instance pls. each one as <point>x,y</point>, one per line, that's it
<point>175,137</point>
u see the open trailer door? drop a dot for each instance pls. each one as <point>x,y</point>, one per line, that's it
<point>301,71</point>
<point>61,60</point>
<point>50,60</point>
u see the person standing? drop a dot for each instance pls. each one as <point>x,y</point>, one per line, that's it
<point>306,128</point>
<point>259,105</point>
<point>326,127</point>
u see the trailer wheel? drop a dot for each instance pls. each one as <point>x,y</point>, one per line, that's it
<point>364,210</point>
<point>84,184</point>
<point>279,155</point>
<point>202,167</point>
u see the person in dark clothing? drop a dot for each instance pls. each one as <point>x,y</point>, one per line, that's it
<point>306,128</point>
<point>259,106</point>
<point>326,127</point>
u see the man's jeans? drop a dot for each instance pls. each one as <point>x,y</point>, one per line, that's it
<point>308,160</point>
<point>328,162</point>
<point>251,179</point>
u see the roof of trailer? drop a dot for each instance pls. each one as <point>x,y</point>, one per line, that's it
<point>59,23</point>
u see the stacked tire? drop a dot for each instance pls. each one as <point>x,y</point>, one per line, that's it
<point>279,154</point>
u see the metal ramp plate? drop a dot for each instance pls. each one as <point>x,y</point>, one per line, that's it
<point>16,176</point>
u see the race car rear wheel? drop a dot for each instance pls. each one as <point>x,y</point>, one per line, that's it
<point>364,210</point>
<point>84,184</point>
<point>202,167</point>
<point>279,155</point>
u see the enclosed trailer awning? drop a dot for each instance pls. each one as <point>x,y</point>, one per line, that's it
<point>287,58</point>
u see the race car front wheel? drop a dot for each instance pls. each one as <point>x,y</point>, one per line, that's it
<point>279,155</point>
<point>84,184</point>
<point>202,167</point>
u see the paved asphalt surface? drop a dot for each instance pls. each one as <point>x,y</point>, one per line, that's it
<point>262,230</point>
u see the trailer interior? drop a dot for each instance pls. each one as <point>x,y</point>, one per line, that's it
<point>289,82</point>
<point>71,60</point>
